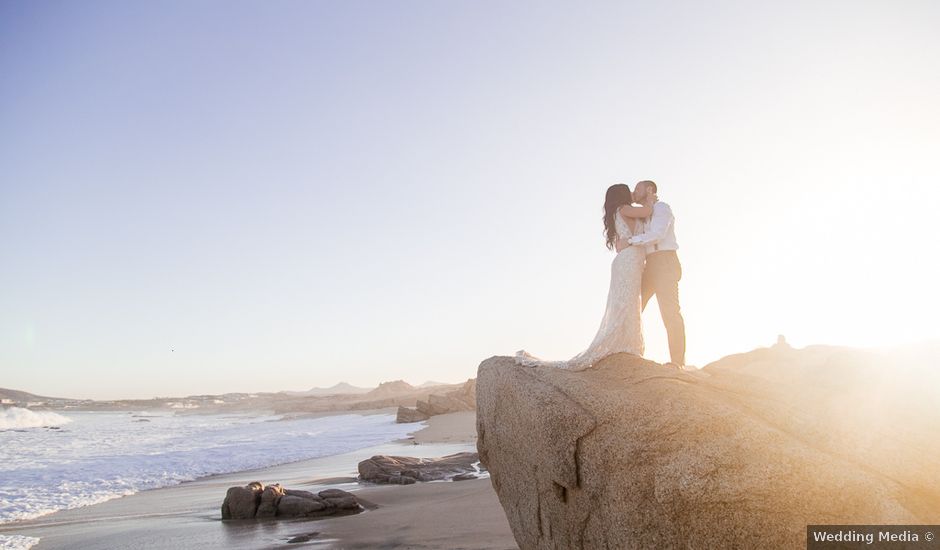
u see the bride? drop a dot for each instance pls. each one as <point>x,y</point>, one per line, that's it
<point>620,329</point>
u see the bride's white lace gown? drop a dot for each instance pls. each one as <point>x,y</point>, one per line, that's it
<point>620,329</point>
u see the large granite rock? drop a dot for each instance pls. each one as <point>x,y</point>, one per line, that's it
<point>405,470</point>
<point>255,501</point>
<point>743,454</point>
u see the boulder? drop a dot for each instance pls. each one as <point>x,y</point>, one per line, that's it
<point>341,500</point>
<point>407,414</point>
<point>242,502</point>
<point>742,454</point>
<point>300,493</point>
<point>406,470</point>
<point>257,501</point>
<point>267,507</point>
<point>297,506</point>
<point>332,493</point>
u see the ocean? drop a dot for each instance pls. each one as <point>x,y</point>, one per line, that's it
<point>56,460</point>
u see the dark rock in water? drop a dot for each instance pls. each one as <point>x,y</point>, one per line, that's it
<point>397,480</point>
<point>743,454</point>
<point>348,502</point>
<point>305,537</point>
<point>332,493</point>
<point>406,470</point>
<point>338,499</point>
<point>294,506</point>
<point>242,502</point>
<point>258,502</point>
<point>300,493</point>
<point>267,508</point>
<point>464,477</point>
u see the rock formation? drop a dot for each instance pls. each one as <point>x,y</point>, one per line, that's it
<point>460,399</point>
<point>405,470</point>
<point>743,454</point>
<point>407,414</point>
<point>255,501</point>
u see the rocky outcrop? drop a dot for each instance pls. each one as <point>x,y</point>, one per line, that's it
<point>460,399</point>
<point>255,501</point>
<point>404,470</point>
<point>407,414</point>
<point>743,454</point>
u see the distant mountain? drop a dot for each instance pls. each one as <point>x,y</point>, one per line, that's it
<point>22,396</point>
<point>430,383</point>
<point>341,388</point>
<point>388,389</point>
<point>22,399</point>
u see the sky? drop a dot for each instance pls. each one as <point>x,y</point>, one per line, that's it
<point>209,197</point>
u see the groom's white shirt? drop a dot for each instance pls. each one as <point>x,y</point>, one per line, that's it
<point>660,234</point>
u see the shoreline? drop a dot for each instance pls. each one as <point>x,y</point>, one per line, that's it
<point>187,515</point>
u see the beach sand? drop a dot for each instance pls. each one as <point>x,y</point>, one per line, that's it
<point>462,514</point>
<point>458,427</point>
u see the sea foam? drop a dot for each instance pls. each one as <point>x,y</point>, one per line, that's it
<point>17,542</point>
<point>103,455</point>
<point>13,418</point>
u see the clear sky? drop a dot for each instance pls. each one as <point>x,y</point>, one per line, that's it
<point>290,194</point>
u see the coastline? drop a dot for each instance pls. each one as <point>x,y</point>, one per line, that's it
<point>187,515</point>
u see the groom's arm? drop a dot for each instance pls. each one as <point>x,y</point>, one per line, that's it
<point>662,218</point>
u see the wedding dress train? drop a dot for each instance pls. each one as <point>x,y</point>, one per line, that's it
<point>620,329</point>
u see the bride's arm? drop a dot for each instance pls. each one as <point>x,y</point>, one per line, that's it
<point>660,222</point>
<point>628,211</point>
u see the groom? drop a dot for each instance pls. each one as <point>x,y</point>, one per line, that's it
<point>663,271</point>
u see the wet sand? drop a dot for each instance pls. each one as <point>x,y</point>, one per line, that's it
<point>461,514</point>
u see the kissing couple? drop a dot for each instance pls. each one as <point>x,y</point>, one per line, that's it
<point>646,263</point>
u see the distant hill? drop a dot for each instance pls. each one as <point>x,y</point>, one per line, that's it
<point>388,389</point>
<point>341,388</point>
<point>431,383</point>
<point>17,395</point>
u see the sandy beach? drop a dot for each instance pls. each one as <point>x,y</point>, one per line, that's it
<point>462,514</point>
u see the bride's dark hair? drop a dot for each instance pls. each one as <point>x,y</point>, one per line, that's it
<point>617,196</point>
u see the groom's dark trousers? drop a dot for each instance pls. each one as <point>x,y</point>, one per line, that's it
<point>661,277</point>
